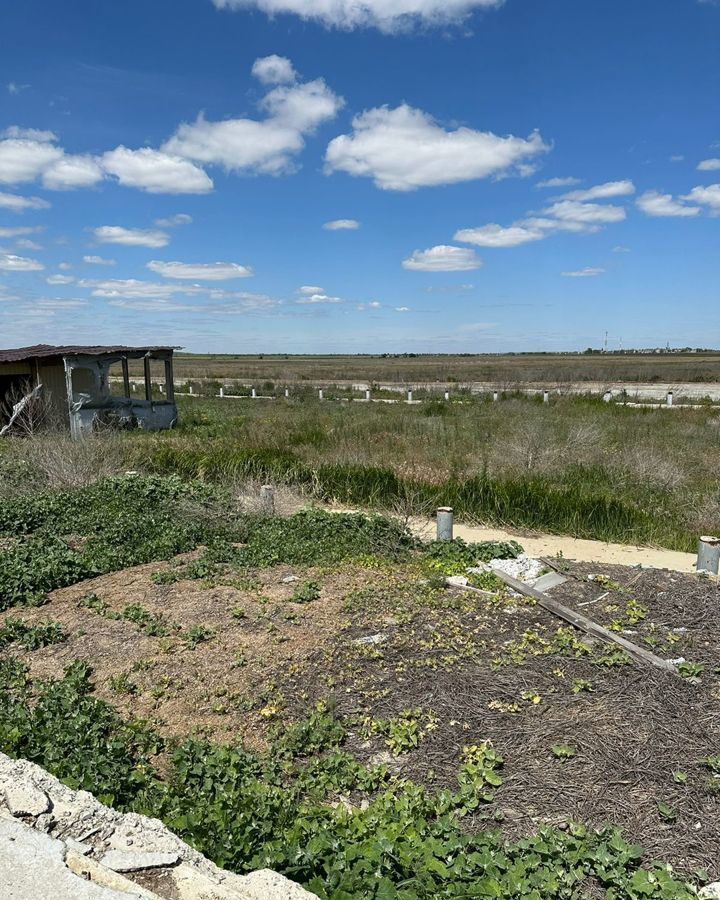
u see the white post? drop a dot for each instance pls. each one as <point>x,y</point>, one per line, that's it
<point>546,396</point>
<point>287,392</point>
<point>320,394</point>
<point>253,394</point>
<point>222,392</point>
<point>134,385</point>
<point>367,396</point>
<point>447,395</point>
<point>409,399</point>
<point>267,499</point>
<point>190,389</point>
<point>496,396</point>
<point>708,555</point>
<point>607,396</point>
<point>670,398</point>
<point>445,523</point>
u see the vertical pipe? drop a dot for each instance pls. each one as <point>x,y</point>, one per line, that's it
<point>607,396</point>
<point>267,499</point>
<point>253,394</point>
<point>409,399</point>
<point>190,389</point>
<point>445,523</point>
<point>669,398</point>
<point>222,391</point>
<point>447,395</point>
<point>546,396</point>
<point>496,396</point>
<point>320,394</point>
<point>367,395</point>
<point>708,555</point>
<point>287,392</point>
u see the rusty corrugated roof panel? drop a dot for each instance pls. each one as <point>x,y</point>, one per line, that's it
<point>42,351</point>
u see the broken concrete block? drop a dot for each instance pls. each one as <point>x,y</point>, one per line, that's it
<point>26,799</point>
<point>135,861</point>
<point>456,581</point>
<point>268,885</point>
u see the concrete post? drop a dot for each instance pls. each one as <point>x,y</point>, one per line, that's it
<point>161,386</point>
<point>709,555</point>
<point>253,394</point>
<point>607,396</point>
<point>222,392</point>
<point>190,389</point>
<point>670,398</point>
<point>546,396</point>
<point>445,523</point>
<point>409,400</point>
<point>287,392</point>
<point>267,500</point>
<point>496,396</point>
<point>447,395</point>
<point>320,394</point>
<point>134,385</point>
<point>367,396</point>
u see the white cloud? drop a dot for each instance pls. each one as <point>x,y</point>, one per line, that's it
<point>156,172</point>
<point>386,15</point>
<point>10,263</point>
<point>707,196</point>
<point>25,244</point>
<point>16,203</point>
<point>558,182</point>
<point>655,204</point>
<point>497,236</point>
<point>602,191</point>
<point>60,279</point>
<point>14,88</point>
<point>98,261</point>
<point>403,149</point>
<point>677,157</point>
<point>17,232</point>
<point>29,134</point>
<point>402,309</point>
<point>174,221</point>
<point>709,165</point>
<point>575,212</point>
<point>267,145</point>
<point>587,272</point>
<point>132,288</point>
<point>313,299</point>
<point>621,249</point>
<point>131,237</point>
<point>65,266</point>
<point>25,160</point>
<point>311,289</point>
<point>274,69</point>
<point>71,172</point>
<point>342,225</point>
<point>218,271</point>
<point>442,258</point>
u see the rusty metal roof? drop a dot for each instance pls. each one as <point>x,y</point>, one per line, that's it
<point>42,351</point>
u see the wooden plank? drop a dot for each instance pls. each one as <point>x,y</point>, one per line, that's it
<point>639,654</point>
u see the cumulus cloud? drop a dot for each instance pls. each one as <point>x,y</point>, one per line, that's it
<point>342,225</point>
<point>27,154</point>
<point>311,289</point>
<point>29,134</point>
<point>321,298</point>
<point>587,272</point>
<point>218,271</point>
<point>10,263</point>
<point>584,215</point>
<point>71,172</point>
<point>131,237</point>
<point>497,236</point>
<point>17,232</point>
<point>655,204</point>
<point>16,203</point>
<point>98,261</point>
<point>60,279</point>
<point>558,182</point>
<point>402,309</point>
<point>403,149</point>
<point>133,288</point>
<point>156,172</point>
<point>174,221</point>
<point>603,191</point>
<point>268,145</point>
<point>442,258</point>
<point>707,196</point>
<point>274,69</point>
<point>386,15</point>
<point>709,165</point>
<point>25,244</point>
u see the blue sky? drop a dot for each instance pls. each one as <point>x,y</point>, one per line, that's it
<point>344,176</point>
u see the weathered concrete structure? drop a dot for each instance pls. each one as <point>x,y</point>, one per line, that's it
<point>74,384</point>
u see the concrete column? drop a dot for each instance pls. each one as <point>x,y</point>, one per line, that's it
<point>445,523</point>
<point>709,555</point>
<point>267,499</point>
<point>670,398</point>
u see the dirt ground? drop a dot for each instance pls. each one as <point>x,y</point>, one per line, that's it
<point>470,667</point>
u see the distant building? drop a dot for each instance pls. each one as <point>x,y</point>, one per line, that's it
<point>74,386</point>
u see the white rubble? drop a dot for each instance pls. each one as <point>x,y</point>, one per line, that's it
<point>710,891</point>
<point>524,568</point>
<point>56,844</point>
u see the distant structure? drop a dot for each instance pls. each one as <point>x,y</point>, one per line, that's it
<point>72,383</point>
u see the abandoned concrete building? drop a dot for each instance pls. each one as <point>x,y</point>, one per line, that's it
<point>78,390</point>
